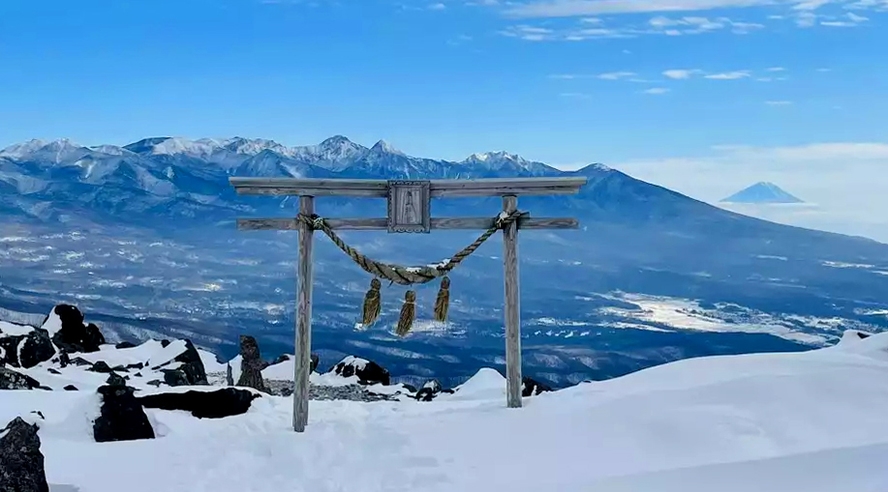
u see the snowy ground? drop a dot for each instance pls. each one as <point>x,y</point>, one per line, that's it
<point>814,421</point>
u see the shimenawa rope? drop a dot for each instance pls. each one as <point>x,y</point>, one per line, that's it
<point>406,275</point>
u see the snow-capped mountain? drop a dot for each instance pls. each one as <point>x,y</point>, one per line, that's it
<point>180,176</point>
<point>146,231</point>
<point>762,193</point>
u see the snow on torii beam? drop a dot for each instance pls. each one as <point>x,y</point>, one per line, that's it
<point>307,189</point>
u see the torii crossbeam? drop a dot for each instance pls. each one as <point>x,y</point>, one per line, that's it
<point>408,211</point>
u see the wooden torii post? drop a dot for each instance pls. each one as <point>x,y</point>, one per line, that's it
<point>409,205</point>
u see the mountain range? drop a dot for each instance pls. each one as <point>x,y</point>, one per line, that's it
<point>145,234</point>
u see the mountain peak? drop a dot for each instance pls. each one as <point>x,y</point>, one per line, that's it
<point>498,156</point>
<point>54,150</point>
<point>336,140</point>
<point>762,192</point>
<point>386,148</point>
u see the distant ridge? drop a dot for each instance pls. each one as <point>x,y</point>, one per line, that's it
<point>762,192</point>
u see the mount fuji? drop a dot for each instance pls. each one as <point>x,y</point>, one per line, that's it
<point>762,193</point>
<point>144,234</point>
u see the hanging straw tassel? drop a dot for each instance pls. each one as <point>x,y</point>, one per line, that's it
<point>442,302</point>
<point>371,303</point>
<point>408,312</point>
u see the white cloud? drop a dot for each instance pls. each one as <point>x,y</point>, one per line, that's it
<point>656,90</point>
<point>680,74</point>
<point>778,103</point>
<point>844,181</point>
<point>739,74</point>
<point>616,75</point>
<point>573,8</point>
<point>437,6</point>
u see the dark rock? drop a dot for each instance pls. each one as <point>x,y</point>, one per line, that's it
<point>21,462</point>
<point>53,370</point>
<point>368,372</point>
<point>137,365</point>
<point>12,380</point>
<point>190,371</point>
<point>532,387</point>
<point>74,336</point>
<point>192,365</point>
<point>38,413</point>
<point>115,379</point>
<point>36,348</point>
<point>125,345</point>
<point>64,358</point>
<point>217,404</point>
<point>315,360</point>
<point>70,387</point>
<point>409,387</point>
<point>862,335</point>
<point>164,343</point>
<point>45,388</point>
<point>251,364</point>
<point>9,350</point>
<point>281,358</point>
<point>122,417</point>
<point>79,361</point>
<point>119,368</point>
<point>100,366</point>
<point>138,374</point>
<point>174,377</point>
<point>229,375</point>
<point>155,382</point>
<point>429,390</point>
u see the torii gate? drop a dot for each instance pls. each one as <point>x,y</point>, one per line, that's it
<point>409,205</point>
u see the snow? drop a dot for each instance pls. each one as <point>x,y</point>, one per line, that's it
<point>687,314</point>
<point>53,323</point>
<point>358,363</point>
<point>14,329</point>
<point>812,421</point>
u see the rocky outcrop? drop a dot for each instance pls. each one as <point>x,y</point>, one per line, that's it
<point>186,369</point>
<point>36,347</point>
<point>217,404</point>
<point>368,372</point>
<point>251,364</point>
<point>12,380</point>
<point>74,335</point>
<point>21,462</point>
<point>121,416</point>
<point>532,387</point>
<point>430,390</point>
<point>9,350</point>
<point>351,392</point>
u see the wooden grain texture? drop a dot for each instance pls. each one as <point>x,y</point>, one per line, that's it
<point>380,224</point>
<point>379,188</point>
<point>303,320</point>
<point>512,307</point>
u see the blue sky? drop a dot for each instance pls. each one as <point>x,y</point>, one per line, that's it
<point>564,81</point>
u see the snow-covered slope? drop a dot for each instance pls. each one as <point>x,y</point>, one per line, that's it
<point>813,421</point>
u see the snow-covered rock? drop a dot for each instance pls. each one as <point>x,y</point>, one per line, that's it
<point>532,387</point>
<point>366,371</point>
